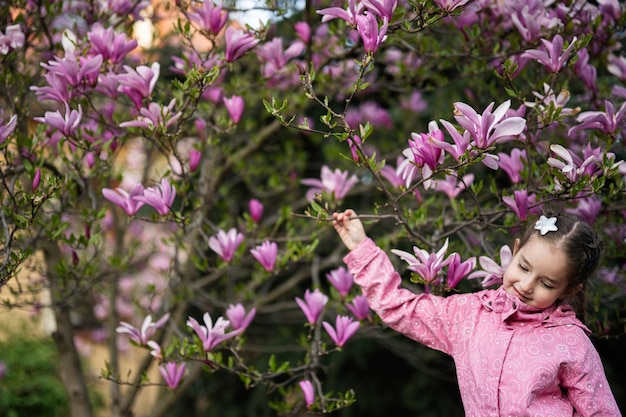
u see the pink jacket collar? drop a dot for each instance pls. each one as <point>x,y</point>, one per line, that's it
<point>516,313</point>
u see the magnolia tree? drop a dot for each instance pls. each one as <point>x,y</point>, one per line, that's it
<point>168,172</point>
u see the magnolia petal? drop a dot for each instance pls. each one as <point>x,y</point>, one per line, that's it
<point>405,256</point>
<point>501,110</point>
<point>562,152</point>
<point>512,126</point>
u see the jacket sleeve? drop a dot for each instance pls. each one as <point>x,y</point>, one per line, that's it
<point>428,319</point>
<point>586,385</point>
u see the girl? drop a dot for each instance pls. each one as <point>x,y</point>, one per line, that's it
<point>518,350</point>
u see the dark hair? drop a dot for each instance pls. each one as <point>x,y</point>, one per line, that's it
<point>581,245</point>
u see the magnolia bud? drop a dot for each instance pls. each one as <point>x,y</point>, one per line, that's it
<point>36,180</point>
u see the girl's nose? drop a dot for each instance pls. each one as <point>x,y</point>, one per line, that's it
<point>526,285</point>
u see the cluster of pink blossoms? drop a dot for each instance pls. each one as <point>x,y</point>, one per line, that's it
<point>315,301</point>
<point>160,197</point>
<point>210,335</point>
<point>225,244</point>
<point>429,265</point>
<point>365,16</point>
<point>345,327</point>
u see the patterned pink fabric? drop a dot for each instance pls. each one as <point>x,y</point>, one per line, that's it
<point>511,359</point>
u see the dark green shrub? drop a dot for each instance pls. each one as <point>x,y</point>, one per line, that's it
<point>31,385</point>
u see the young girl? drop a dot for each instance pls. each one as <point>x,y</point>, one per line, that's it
<point>518,350</point>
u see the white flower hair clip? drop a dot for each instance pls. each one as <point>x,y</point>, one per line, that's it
<point>546,224</point>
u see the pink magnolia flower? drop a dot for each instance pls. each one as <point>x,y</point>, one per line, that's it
<point>238,43</point>
<point>72,72</point>
<point>369,111</point>
<point>512,164</point>
<point>238,318</point>
<point>521,203</point>
<point>345,328</point>
<point>451,186</point>
<point>308,391</point>
<point>155,116</point>
<point>371,35</point>
<point>587,209</point>
<point>160,197</point>
<point>265,253</point>
<point>341,279</point>
<point>610,9</point>
<point>492,273</point>
<point>426,264</point>
<point>111,45</point>
<point>607,121</point>
<point>335,183</point>
<point>8,128</point>
<point>594,168</point>
<point>125,199</point>
<point>172,373</point>
<point>383,9</point>
<point>57,89</point>
<point>572,169</point>
<point>3,370</point>
<point>36,180</point>
<point>255,207</point>
<point>449,5</point>
<point>138,84</point>
<point>552,56</point>
<point>147,330</point>
<point>235,106</point>
<point>67,124</point>
<point>209,17</point>
<point>303,30</point>
<point>313,305</point>
<point>274,57</point>
<point>531,21</point>
<point>414,102</point>
<point>359,307</point>
<point>128,7</point>
<point>458,270</point>
<point>489,127</point>
<point>195,156</point>
<point>13,38</point>
<point>349,15</point>
<point>226,243</point>
<point>211,334</point>
<point>550,102</point>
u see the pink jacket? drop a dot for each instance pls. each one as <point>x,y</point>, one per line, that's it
<point>511,359</point>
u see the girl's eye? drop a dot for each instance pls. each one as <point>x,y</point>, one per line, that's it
<point>547,285</point>
<point>523,267</point>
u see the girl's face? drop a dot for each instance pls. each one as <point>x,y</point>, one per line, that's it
<point>538,273</point>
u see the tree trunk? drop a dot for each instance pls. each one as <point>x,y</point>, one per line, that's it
<point>70,366</point>
<point>69,362</point>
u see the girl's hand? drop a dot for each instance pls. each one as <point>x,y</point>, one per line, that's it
<point>349,228</point>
